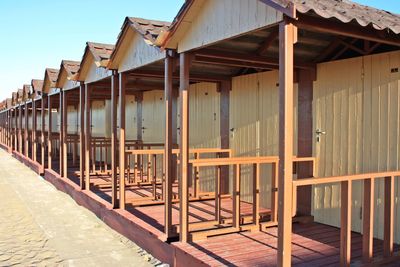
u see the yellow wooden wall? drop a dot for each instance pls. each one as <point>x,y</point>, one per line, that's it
<point>356,101</point>
<point>153,117</point>
<point>254,120</point>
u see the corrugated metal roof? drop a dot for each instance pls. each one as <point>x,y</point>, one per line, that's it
<point>347,11</point>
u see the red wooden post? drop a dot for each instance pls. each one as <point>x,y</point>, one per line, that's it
<point>388,234</point>
<point>287,38</point>
<point>114,140</point>
<point>42,132</point>
<point>64,127</point>
<point>34,121</point>
<point>184,146</point>
<point>82,149</point>
<point>345,223</point>
<point>368,219</point>
<point>50,137</point>
<point>122,103</point>
<point>87,135</point>
<point>61,109</point>
<point>168,160</point>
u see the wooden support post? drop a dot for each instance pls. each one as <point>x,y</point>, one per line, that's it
<point>287,38</point>
<point>256,195</point>
<point>42,132</point>
<point>49,133</point>
<point>34,126</point>
<point>122,103</point>
<point>388,233</point>
<point>16,133</point>
<point>64,127</point>
<point>368,220</point>
<point>20,139</point>
<point>114,140</point>
<point>88,92</point>
<point>236,198</point>
<point>305,137</point>
<point>225,89</point>
<point>61,135</point>
<point>345,223</point>
<point>184,148</point>
<point>82,149</point>
<point>26,128</point>
<point>168,160</point>
<point>139,112</point>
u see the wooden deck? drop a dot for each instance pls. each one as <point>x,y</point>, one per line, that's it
<point>313,244</point>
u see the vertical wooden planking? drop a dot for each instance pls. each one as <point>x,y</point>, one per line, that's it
<point>225,89</point>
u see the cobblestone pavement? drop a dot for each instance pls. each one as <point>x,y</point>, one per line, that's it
<point>41,226</point>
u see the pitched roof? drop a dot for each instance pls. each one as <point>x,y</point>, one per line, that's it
<point>37,85</point>
<point>347,11</point>
<point>72,67</point>
<point>149,29</point>
<point>52,74</point>
<point>100,51</point>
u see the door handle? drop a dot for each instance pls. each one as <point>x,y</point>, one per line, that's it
<point>319,132</point>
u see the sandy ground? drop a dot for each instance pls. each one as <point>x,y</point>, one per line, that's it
<point>41,226</point>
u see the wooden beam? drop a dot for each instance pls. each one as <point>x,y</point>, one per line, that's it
<point>346,29</point>
<point>342,51</point>
<point>168,159</point>
<point>88,92</point>
<point>352,47</point>
<point>184,147</point>
<point>287,39</point>
<point>226,55</point>
<point>49,139</point>
<point>268,42</point>
<point>193,78</point>
<point>345,223</point>
<point>233,63</point>
<point>368,220</point>
<point>82,138</point>
<point>122,103</point>
<point>225,89</point>
<point>328,51</point>
<point>42,132</point>
<point>114,140</point>
<point>289,8</point>
<point>388,228</point>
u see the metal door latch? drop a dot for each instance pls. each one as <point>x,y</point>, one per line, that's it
<point>319,132</point>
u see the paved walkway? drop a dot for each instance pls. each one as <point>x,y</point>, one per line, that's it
<point>41,226</point>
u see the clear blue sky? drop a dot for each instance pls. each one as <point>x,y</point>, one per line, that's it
<point>36,34</point>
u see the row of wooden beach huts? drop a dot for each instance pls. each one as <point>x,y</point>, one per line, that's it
<point>243,133</point>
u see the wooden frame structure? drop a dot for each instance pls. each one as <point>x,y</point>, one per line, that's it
<point>162,187</point>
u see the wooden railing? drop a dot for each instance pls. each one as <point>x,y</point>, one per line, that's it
<point>368,211</point>
<point>149,170</point>
<point>202,230</point>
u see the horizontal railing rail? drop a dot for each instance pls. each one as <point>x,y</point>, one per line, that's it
<point>367,208</point>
